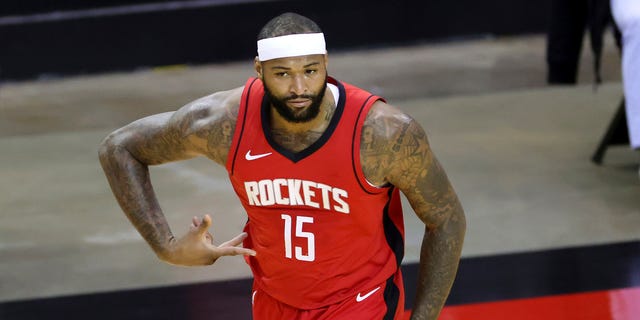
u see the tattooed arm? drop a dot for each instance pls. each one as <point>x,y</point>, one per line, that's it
<point>395,150</point>
<point>201,128</point>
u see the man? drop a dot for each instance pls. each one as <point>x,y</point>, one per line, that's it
<point>317,165</point>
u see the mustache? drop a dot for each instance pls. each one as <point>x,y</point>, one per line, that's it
<point>295,96</point>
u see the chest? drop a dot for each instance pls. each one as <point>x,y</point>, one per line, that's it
<point>295,142</point>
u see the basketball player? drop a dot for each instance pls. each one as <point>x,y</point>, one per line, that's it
<point>318,165</point>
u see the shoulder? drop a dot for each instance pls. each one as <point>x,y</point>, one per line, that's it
<point>208,123</point>
<point>390,139</point>
<point>383,112</point>
<point>391,126</point>
<point>212,107</point>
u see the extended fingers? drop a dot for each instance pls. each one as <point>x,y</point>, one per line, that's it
<point>237,240</point>
<point>230,248</point>
<point>235,251</point>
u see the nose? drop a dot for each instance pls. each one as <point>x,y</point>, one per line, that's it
<point>298,85</point>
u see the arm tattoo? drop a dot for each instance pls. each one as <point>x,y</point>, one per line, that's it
<point>129,180</point>
<point>220,136</point>
<point>204,127</point>
<point>394,149</point>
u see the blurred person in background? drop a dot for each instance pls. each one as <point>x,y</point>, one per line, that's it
<point>569,20</point>
<point>627,17</point>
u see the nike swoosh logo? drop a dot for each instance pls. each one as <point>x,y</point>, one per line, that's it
<point>360,298</point>
<point>250,156</point>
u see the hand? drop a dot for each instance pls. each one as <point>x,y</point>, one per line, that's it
<point>196,247</point>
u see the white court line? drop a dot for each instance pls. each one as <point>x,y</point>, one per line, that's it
<point>113,238</point>
<point>16,245</point>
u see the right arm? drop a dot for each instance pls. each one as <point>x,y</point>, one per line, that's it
<point>197,129</point>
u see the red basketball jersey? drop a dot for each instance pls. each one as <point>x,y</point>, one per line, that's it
<point>322,233</point>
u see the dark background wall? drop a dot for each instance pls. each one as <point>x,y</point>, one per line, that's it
<point>67,37</point>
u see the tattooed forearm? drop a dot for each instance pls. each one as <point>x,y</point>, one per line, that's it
<point>439,208</point>
<point>439,260</point>
<point>129,181</point>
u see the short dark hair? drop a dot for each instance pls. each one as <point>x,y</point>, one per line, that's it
<point>286,24</point>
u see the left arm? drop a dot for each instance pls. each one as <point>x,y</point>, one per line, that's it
<point>401,156</point>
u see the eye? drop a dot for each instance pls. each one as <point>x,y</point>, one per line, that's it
<point>311,71</point>
<point>282,74</point>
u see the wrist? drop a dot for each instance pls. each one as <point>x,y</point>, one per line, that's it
<point>166,251</point>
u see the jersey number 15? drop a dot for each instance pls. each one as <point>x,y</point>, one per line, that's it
<point>288,247</point>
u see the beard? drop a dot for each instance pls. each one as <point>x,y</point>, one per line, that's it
<point>293,115</point>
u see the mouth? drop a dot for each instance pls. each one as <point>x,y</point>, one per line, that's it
<point>299,103</point>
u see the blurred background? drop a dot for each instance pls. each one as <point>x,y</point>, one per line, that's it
<point>509,98</point>
<point>52,38</point>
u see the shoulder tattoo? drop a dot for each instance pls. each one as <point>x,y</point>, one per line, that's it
<point>393,148</point>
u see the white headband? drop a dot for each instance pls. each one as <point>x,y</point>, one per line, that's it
<point>292,45</point>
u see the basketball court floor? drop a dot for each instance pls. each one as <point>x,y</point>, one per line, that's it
<point>550,234</point>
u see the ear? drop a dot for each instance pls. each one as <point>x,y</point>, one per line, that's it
<point>258,67</point>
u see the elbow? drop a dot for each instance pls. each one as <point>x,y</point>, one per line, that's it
<point>454,222</point>
<point>458,224</point>
<point>462,225</point>
<point>457,220</point>
<point>106,149</point>
<point>110,149</point>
